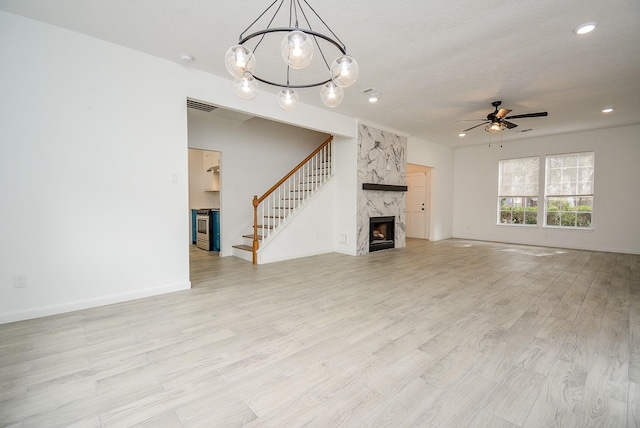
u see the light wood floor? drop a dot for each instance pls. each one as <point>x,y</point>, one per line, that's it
<point>439,334</point>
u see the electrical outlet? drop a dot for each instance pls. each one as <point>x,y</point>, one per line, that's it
<point>20,281</point>
<point>343,238</point>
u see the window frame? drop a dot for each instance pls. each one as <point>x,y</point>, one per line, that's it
<point>532,199</point>
<point>547,198</point>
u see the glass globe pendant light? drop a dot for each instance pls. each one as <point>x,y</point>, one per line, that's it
<point>331,94</point>
<point>245,87</point>
<point>288,99</point>
<point>239,60</point>
<point>297,49</point>
<point>344,71</point>
<point>304,32</point>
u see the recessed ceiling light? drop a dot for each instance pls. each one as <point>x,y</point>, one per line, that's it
<point>462,134</point>
<point>585,28</point>
<point>372,94</point>
<point>607,110</point>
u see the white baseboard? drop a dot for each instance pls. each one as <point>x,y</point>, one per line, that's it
<point>91,303</point>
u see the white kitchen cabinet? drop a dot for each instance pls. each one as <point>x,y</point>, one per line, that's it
<point>211,170</point>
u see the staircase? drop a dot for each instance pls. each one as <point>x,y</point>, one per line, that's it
<point>278,205</point>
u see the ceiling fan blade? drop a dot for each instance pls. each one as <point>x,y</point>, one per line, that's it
<point>509,125</point>
<point>520,116</point>
<point>503,112</point>
<point>469,120</point>
<point>469,129</point>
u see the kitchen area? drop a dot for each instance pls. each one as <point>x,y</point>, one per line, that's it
<point>204,199</point>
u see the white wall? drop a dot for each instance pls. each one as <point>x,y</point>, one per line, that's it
<point>91,135</point>
<point>616,191</point>
<point>346,193</point>
<point>255,154</point>
<point>440,158</point>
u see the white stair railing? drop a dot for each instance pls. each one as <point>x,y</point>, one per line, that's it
<point>271,210</point>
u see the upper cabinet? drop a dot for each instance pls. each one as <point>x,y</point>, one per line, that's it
<point>211,167</point>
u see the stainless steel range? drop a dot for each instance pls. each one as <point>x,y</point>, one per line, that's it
<point>204,228</point>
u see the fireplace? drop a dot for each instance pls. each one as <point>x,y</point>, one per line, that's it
<point>381,234</point>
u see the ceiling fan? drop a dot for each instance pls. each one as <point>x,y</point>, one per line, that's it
<point>497,121</point>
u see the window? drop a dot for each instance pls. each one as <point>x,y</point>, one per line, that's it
<point>518,191</point>
<point>569,190</point>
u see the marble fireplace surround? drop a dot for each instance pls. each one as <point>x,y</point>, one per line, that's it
<point>382,178</point>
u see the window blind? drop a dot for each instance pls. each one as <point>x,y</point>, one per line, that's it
<point>570,174</point>
<point>519,177</point>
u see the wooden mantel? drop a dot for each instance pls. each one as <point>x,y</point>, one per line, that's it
<point>384,187</point>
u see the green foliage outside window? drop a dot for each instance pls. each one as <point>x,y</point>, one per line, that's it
<point>564,212</point>
<point>521,210</point>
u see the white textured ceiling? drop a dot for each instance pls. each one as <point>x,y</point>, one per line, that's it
<point>434,61</point>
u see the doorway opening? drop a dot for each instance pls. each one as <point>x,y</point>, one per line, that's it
<point>204,206</point>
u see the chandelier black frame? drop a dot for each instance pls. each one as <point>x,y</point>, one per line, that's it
<point>342,49</point>
<point>341,73</point>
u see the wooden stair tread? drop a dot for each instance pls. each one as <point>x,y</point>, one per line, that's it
<point>243,247</point>
<point>251,237</point>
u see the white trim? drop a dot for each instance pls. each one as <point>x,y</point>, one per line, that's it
<point>91,303</point>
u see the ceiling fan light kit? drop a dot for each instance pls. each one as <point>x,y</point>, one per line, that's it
<point>297,49</point>
<point>495,127</point>
<point>497,122</point>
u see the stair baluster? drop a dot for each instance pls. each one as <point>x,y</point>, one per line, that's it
<point>288,194</point>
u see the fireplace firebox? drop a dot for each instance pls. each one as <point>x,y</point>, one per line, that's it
<point>381,233</point>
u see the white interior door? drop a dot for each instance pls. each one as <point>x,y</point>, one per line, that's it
<point>418,184</point>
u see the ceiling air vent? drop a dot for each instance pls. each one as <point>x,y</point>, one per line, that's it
<point>197,105</point>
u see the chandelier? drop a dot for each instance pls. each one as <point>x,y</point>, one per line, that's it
<point>297,50</point>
